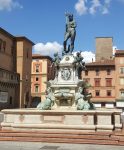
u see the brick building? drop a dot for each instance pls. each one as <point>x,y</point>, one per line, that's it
<point>119,76</point>
<point>15,70</point>
<point>42,71</point>
<point>101,76</point>
<point>106,77</point>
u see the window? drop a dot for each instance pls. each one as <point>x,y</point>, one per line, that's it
<point>37,68</point>
<point>10,100</point>
<point>108,92</point>
<point>122,93</point>
<point>121,81</point>
<point>108,82</point>
<point>103,104</point>
<point>36,88</point>
<point>31,87</point>
<point>97,93</point>
<point>97,82</point>
<point>12,50</point>
<point>4,45</point>
<point>86,73</point>
<point>17,78</point>
<point>26,77</point>
<point>122,70</point>
<point>1,73</point>
<point>108,71</point>
<point>37,78</point>
<point>27,54</point>
<point>97,72</point>
<point>11,77</point>
<point>0,44</point>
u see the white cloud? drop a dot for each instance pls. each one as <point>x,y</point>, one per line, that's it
<point>48,48</point>
<point>92,7</point>
<point>106,7</point>
<point>81,7</point>
<point>95,6</point>
<point>87,55</point>
<point>9,5</point>
<point>105,10</point>
<point>114,50</point>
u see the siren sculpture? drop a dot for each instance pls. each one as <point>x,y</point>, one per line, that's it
<point>48,102</point>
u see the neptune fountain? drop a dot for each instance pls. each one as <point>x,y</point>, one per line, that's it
<point>67,106</point>
<point>68,89</point>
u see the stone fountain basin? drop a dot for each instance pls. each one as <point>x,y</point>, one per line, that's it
<point>62,119</point>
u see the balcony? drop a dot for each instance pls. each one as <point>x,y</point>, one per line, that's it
<point>9,77</point>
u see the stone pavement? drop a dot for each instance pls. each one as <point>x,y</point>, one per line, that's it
<point>54,146</point>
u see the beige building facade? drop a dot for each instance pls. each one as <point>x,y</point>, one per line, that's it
<point>24,59</point>
<point>15,68</point>
<point>42,71</point>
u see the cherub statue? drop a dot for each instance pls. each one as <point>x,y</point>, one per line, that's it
<point>79,64</point>
<point>56,62</point>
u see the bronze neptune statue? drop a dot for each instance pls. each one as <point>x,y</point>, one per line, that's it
<point>69,33</point>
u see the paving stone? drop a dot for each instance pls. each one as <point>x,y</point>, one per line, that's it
<point>49,148</point>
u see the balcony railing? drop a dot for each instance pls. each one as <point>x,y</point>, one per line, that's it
<point>9,77</point>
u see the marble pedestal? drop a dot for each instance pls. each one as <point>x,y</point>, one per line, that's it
<point>33,119</point>
<point>66,83</point>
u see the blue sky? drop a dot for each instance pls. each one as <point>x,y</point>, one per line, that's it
<point>43,22</point>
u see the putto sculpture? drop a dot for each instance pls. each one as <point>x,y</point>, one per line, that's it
<point>56,62</point>
<point>68,88</point>
<point>79,64</point>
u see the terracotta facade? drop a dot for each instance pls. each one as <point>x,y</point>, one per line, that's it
<point>42,71</point>
<point>119,61</point>
<point>107,81</point>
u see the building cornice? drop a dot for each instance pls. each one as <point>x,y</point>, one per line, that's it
<point>17,38</point>
<point>6,33</point>
<point>23,38</point>
<point>37,56</point>
<point>102,63</point>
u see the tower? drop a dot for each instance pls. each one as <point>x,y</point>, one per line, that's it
<point>104,48</point>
